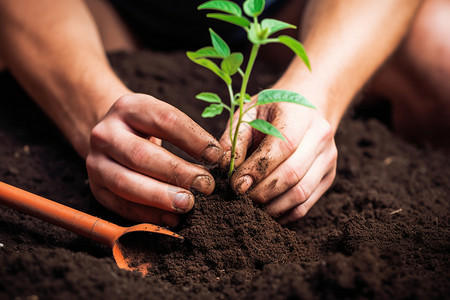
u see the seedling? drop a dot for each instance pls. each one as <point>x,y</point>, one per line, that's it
<point>258,33</point>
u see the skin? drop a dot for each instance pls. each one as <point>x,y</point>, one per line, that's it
<point>301,169</point>
<point>415,78</point>
<point>119,132</point>
<point>54,50</point>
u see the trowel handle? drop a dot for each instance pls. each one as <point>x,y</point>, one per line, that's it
<point>60,215</point>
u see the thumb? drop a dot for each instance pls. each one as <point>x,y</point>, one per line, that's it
<point>243,142</point>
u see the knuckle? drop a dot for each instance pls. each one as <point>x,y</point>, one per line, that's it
<point>118,183</point>
<point>327,134</point>
<point>334,154</point>
<point>331,161</point>
<point>124,101</point>
<point>299,212</point>
<point>292,174</point>
<point>128,107</point>
<point>300,194</point>
<point>167,117</point>
<point>289,146</point>
<point>91,163</point>
<point>137,155</point>
<point>177,175</point>
<point>99,136</point>
<point>260,198</point>
<point>177,169</point>
<point>121,206</point>
<point>160,198</point>
<point>328,180</point>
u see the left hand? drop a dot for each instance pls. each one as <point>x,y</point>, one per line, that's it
<point>287,177</point>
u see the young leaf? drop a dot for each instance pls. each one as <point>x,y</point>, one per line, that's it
<point>212,110</point>
<point>275,25</point>
<point>225,6</point>
<point>236,20</point>
<point>271,96</point>
<point>209,97</point>
<point>247,98</point>
<point>231,63</point>
<point>219,44</point>
<point>254,8</point>
<point>211,66</point>
<point>296,47</point>
<point>256,35</point>
<point>267,128</point>
<point>209,52</point>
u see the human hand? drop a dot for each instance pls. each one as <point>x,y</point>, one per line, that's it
<point>287,177</point>
<point>132,175</point>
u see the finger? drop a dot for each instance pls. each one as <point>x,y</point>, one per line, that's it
<point>243,142</point>
<point>134,211</point>
<point>271,152</point>
<point>302,191</point>
<point>155,141</point>
<point>302,209</point>
<point>136,187</point>
<point>290,172</point>
<point>156,118</point>
<point>140,155</point>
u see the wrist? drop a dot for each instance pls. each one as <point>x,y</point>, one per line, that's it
<point>324,94</point>
<point>88,101</point>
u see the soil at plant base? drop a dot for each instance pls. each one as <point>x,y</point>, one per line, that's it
<point>380,232</point>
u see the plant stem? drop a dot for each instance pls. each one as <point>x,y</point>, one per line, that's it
<point>230,91</point>
<point>245,79</point>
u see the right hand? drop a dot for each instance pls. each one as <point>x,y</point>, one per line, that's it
<point>132,175</point>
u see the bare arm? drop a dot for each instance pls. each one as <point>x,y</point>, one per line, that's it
<point>347,41</point>
<point>55,52</point>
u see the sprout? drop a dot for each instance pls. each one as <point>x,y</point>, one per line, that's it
<point>258,33</point>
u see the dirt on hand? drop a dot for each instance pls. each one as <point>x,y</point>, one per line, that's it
<point>380,232</point>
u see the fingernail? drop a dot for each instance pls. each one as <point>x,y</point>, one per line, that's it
<point>203,184</point>
<point>183,202</point>
<point>169,220</point>
<point>212,154</point>
<point>244,183</point>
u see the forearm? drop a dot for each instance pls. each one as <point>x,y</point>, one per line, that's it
<point>54,51</point>
<point>347,41</point>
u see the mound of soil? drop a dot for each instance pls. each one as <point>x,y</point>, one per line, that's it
<point>380,232</point>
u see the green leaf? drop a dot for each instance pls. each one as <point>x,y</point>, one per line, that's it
<point>296,47</point>
<point>273,25</point>
<point>219,44</point>
<point>225,6</point>
<point>231,64</point>
<point>256,35</point>
<point>271,96</point>
<point>209,97</point>
<point>213,67</point>
<point>267,128</point>
<point>236,20</point>
<point>212,110</point>
<point>209,52</point>
<point>254,8</point>
<point>247,98</point>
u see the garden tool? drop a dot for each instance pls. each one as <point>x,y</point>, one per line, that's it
<point>83,224</point>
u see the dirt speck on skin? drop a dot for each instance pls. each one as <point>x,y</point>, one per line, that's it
<point>272,184</point>
<point>349,246</point>
<point>262,165</point>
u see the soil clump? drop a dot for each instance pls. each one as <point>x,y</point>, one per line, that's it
<point>380,232</point>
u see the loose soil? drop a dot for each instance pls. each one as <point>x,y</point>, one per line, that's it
<point>380,232</point>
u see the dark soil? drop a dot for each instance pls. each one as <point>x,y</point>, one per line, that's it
<point>380,232</point>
